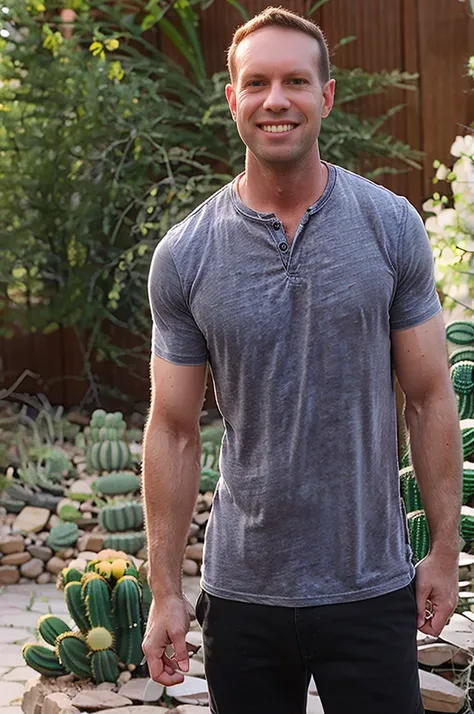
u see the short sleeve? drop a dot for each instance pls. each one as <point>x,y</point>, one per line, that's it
<point>415,299</point>
<point>175,336</point>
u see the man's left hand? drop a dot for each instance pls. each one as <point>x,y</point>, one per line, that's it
<point>437,580</point>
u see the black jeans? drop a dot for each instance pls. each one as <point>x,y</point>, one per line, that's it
<point>362,655</point>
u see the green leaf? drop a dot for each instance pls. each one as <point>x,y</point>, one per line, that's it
<point>316,7</point>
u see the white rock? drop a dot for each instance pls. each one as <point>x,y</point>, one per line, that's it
<point>141,709</point>
<point>53,703</point>
<point>79,564</point>
<point>465,559</point>
<point>90,700</point>
<point>459,632</point>
<point>31,519</point>
<point>139,690</point>
<point>81,486</point>
<point>438,694</point>
<point>190,709</point>
<point>190,687</point>
<point>436,654</point>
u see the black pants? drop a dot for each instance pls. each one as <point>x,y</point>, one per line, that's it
<point>362,655</point>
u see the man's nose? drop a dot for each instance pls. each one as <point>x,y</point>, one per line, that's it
<point>276,99</point>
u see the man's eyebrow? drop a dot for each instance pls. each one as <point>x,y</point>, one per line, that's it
<point>261,75</point>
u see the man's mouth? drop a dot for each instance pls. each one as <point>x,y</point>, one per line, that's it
<point>277,128</point>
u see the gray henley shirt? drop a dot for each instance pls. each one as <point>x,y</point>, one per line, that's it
<point>307,510</point>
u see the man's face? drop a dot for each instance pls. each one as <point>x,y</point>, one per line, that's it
<point>277,99</point>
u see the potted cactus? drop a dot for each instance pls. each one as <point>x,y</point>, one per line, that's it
<point>107,449</point>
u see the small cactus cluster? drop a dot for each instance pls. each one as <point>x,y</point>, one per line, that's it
<point>109,605</point>
<point>107,448</point>
<point>122,516</point>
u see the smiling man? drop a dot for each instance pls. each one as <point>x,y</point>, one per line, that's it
<point>302,285</point>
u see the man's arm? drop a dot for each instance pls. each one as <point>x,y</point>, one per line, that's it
<point>421,365</point>
<point>171,471</point>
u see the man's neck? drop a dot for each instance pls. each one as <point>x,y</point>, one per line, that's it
<point>283,191</point>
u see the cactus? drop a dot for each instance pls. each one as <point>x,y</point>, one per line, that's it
<point>69,513</point>
<point>43,660</point>
<point>467,528</point>
<point>135,435</point>
<point>419,534</point>
<point>467,483</point>
<point>11,504</point>
<point>109,455</point>
<point>105,666</point>
<point>64,535</point>
<point>96,593</point>
<point>128,542</point>
<point>76,605</point>
<point>462,377</point>
<point>127,613</point>
<point>69,575</point>
<point>122,516</point>
<point>50,627</point>
<point>99,638</point>
<point>118,483</point>
<point>467,429</point>
<point>410,490</point>
<point>73,653</point>
<point>460,332</point>
<point>461,354</point>
<point>209,479</point>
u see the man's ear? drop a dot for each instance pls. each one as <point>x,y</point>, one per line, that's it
<point>231,100</point>
<point>328,98</point>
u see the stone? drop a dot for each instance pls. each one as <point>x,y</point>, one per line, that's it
<point>88,507</point>
<point>16,558</point>
<point>194,638</point>
<point>459,632</point>
<point>138,690</point>
<point>92,541</point>
<point>438,694</point>
<point>9,635</point>
<point>79,564</point>
<point>143,709</point>
<point>436,654</point>
<point>53,703</point>
<point>192,540</point>
<point>10,656</point>
<point>82,487</point>
<point>55,565</point>
<point>191,687</point>
<point>10,692</point>
<point>190,567</point>
<point>32,697</point>
<point>124,677</point>
<point>69,710</point>
<point>105,687</point>
<point>43,552</point>
<point>194,552</point>
<point>44,578</point>
<point>142,553</point>
<point>20,674</point>
<point>87,555</point>
<point>9,575</point>
<point>65,553</point>
<point>12,544</point>
<point>32,568</point>
<point>190,709</point>
<point>201,518</point>
<point>91,700</point>
<point>53,521</point>
<point>196,668</point>
<point>31,519</point>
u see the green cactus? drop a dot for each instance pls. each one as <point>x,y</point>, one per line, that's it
<point>69,513</point>
<point>70,575</point>
<point>468,483</point>
<point>461,354</point>
<point>98,418</point>
<point>460,332</point>
<point>209,479</point>
<point>96,594</point>
<point>118,483</point>
<point>50,627</point>
<point>467,528</point>
<point>467,430</point>
<point>462,376</point>
<point>128,542</point>
<point>127,613</point>
<point>105,666</point>
<point>135,435</point>
<point>419,534</point>
<point>410,490</point>
<point>108,455</point>
<point>43,660</point>
<point>64,535</point>
<point>73,653</point>
<point>76,605</point>
<point>11,504</point>
<point>122,516</point>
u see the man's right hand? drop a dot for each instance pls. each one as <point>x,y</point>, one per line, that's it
<point>168,623</point>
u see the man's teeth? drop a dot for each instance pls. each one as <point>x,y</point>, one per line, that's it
<point>274,129</point>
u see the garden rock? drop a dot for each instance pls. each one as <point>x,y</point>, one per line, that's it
<point>137,709</point>
<point>79,564</point>
<point>32,568</point>
<point>201,518</point>
<point>81,487</point>
<point>190,567</point>
<point>31,519</point>
<point>16,558</point>
<point>44,578</point>
<point>9,575</point>
<point>138,690</point>
<point>438,694</point>
<point>53,703</point>
<point>194,552</point>
<point>55,565</point>
<point>91,541</point>
<point>65,553</point>
<point>91,700</point>
<point>12,544</point>
<point>43,552</point>
<point>190,709</point>
<point>53,521</point>
<point>436,654</point>
<point>193,530</point>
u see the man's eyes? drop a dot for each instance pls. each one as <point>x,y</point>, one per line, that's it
<point>297,81</point>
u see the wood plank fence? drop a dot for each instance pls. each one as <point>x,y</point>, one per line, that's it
<point>433,38</point>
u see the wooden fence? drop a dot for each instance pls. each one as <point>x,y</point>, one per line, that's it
<point>433,38</point>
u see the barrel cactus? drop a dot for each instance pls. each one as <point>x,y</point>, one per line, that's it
<point>468,483</point>
<point>410,490</point>
<point>460,332</point>
<point>467,430</point>
<point>64,535</point>
<point>107,450</point>
<point>419,534</point>
<point>107,607</point>
<point>128,542</point>
<point>117,484</point>
<point>462,377</point>
<point>122,516</point>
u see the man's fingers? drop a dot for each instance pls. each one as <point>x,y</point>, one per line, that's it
<point>180,650</point>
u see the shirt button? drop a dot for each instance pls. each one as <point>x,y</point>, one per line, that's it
<point>277,225</point>
<point>283,247</point>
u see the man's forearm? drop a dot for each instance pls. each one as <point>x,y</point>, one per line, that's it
<point>436,448</point>
<point>171,469</point>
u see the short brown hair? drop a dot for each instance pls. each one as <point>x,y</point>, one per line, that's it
<point>280,17</point>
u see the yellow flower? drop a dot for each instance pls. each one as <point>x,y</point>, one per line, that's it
<point>111,45</point>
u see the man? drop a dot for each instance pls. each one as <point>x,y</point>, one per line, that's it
<point>301,284</point>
